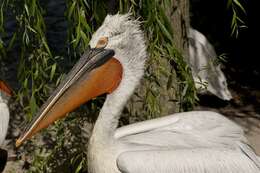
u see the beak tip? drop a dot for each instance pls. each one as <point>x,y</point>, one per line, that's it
<point>18,142</point>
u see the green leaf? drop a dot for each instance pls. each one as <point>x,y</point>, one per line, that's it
<point>1,17</point>
<point>84,37</point>
<point>26,9</point>
<point>33,105</point>
<point>86,25</point>
<point>11,43</point>
<point>239,5</point>
<point>164,31</point>
<point>229,3</point>
<point>53,70</point>
<point>36,74</point>
<point>25,83</point>
<point>33,6</point>
<point>31,29</point>
<point>71,9</point>
<point>26,38</point>
<point>166,21</point>
<point>184,91</point>
<point>46,46</point>
<point>79,168</point>
<point>133,2</point>
<point>78,30</point>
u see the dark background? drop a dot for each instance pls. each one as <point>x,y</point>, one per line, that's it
<point>213,19</point>
<point>241,68</point>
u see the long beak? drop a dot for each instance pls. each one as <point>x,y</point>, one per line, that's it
<point>94,74</point>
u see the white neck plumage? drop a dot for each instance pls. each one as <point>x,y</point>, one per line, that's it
<point>109,115</point>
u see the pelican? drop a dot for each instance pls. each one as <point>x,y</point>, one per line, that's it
<point>201,60</point>
<point>5,93</point>
<point>180,143</point>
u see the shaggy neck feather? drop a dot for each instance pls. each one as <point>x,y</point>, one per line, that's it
<point>109,115</point>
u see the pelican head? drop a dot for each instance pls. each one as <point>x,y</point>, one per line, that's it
<point>127,40</point>
<point>116,60</point>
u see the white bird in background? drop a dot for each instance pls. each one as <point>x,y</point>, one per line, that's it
<point>206,72</point>
<point>5,93</point>
<point>180,143</point>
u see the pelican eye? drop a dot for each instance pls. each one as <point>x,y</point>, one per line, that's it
<point>102,42</point>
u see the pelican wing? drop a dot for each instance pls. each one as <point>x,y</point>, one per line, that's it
<point>4,120</point>
<point>198,140</point>
<point>196,160</point>
<point>189,129</point>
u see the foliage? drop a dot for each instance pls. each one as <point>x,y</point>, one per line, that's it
<point>39,71</point>
<point>3,5</point>
<point>37,66</point>
<point>161,47</point>
<point>237,23</point>
<point>67,153</point>
<point>80,30</point>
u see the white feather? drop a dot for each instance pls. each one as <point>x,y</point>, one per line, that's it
<point>195,160</point>
<point>4,120</point>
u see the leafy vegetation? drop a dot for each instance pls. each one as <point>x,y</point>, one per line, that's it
<point>39,70</point>
<point>237,23</point>
<point>162,48</point>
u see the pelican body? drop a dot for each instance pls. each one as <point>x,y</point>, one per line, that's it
<point>5,93</point>
<point>180,143</point>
